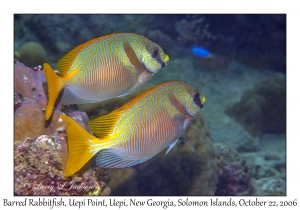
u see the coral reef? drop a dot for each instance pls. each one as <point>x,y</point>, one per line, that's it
<point>193,29</point>
<point>269,187</point>
<point>41,147</point>
<point>28,83</point>
<point>234,172</point>
<point>263,110</point>
<point>29,102</point>
<point>269,166</point>
<point>249,145</point>
<point>245,38</point>
<point>30,123</point>
<point>39,171</point>
<point>188,169</point>
<point>31,54</point>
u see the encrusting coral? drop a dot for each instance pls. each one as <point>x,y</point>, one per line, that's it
<point>28,83</point>
<point>41,153</point>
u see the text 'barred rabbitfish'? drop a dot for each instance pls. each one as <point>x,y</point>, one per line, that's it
<point>106,67</point>
<point>135,132</point>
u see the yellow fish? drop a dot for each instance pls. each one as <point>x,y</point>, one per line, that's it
<point>135,132</point>
<point>103,68</point>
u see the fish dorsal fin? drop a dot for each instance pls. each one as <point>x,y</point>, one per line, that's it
<point>103,126</point>
<point>64,64</point>
<point>171,146</point>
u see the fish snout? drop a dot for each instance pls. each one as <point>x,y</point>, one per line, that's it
<point>202,101</point>
<point>165,61</point>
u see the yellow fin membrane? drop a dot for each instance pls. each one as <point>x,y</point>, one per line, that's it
<point>54,87</point>
<point>79,146</point>
<point>82,146</point>
<point>102,126</point>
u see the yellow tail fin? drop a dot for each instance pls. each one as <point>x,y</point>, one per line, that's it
<point>54,87</point>
<point>82,146</point>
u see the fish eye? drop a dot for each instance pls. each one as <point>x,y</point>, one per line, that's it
<point>154,53</point>
<point>197,100</point>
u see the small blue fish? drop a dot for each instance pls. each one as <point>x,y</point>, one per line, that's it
<point>201,52</point>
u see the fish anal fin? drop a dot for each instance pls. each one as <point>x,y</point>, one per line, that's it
<point>82,146</point>
<point>103,126</point>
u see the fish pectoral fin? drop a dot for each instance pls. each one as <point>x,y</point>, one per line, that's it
<point>171,146</point>
<point>142,78</point>
<point>135,70</point>
<point>108,159</point>
<point>82,146</point>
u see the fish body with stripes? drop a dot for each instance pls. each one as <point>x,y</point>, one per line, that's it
<point>102,68</point>
<point>135,132</point>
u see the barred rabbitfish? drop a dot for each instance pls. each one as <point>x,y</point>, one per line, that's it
<point>103,68</point>
<point>135,132</point>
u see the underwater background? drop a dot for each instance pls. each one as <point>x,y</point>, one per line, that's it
<point>235,146</point>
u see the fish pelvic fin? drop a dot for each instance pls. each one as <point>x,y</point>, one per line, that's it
<point>82,146</point>
<point>54,87</point>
